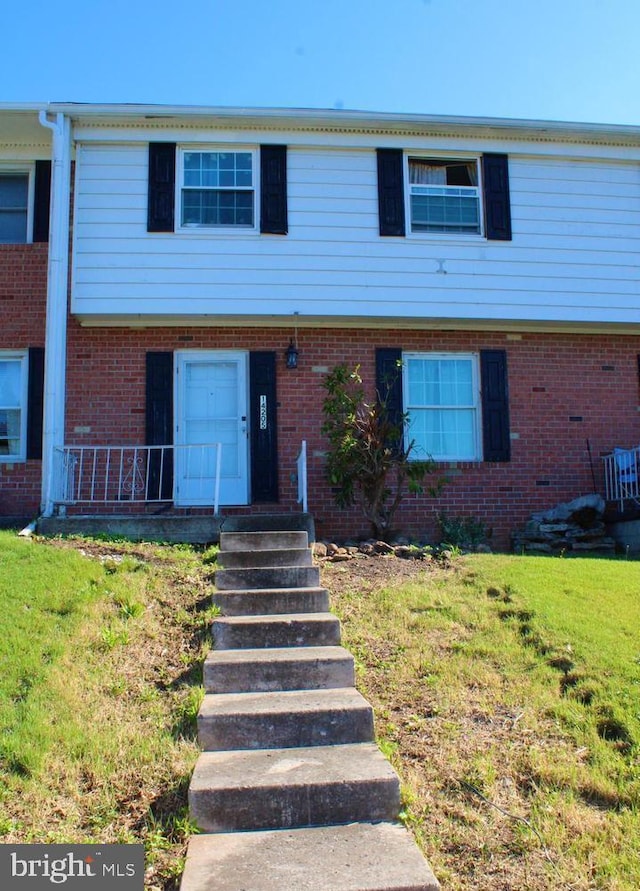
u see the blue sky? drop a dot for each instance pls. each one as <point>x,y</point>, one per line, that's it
<point>573,60</point>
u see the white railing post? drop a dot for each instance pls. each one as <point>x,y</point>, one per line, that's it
<point>302,476</point>
<point>216,488</point>
<point>622,476</point>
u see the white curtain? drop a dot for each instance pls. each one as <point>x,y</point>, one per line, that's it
<point>425,174</point>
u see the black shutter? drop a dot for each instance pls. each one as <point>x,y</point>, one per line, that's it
<point>41,201</point>
<point>497,207</point>
<point>389,385</point>
<point>391,191</point>
<point>495,406</point>
<point>35,404</point>
<point>162,182</point>
<point>273,189</point>
<point>264,433</point>
<point>159,422</point>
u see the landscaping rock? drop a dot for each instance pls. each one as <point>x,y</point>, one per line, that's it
<point>571,526</point>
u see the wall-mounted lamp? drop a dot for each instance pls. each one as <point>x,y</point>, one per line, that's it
<point>291,355</point>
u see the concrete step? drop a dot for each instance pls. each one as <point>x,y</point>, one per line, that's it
<point>283,720</point>
<point>274,577</point>
<point>271,670</point>
<point>286,788</point>
<point>261,541</point>
<point>265,558</point>
<point>271,601</point>
<point>269,523</point>
<point>359,857</point>
<point>297,630</point>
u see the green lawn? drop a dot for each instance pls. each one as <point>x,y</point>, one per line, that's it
<point>101,647</point>
<point>508,696</point>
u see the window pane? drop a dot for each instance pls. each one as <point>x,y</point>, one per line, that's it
<point>10,432</point>
<point>10,383</point>
<point>442,404</point>
<point>13,227</point>
<point>446,209</point>
<point>10,406</point>
<point>212,193</point>
<point>440,382</point>
<point>14,199</point>
<point>14,191</point>
<point>201,207</point>
<point>444,433</point>
<point>456,382</point>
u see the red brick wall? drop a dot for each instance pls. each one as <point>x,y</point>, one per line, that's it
<point>23,287</point>
<point>565,390</point>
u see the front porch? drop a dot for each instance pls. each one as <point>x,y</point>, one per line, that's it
<point>202,530</point>
<point>138,492</point>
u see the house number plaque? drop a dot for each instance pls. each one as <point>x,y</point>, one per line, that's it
<point>263,412</point>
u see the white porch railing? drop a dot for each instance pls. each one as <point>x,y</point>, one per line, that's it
<point>126,474</point>
<point>301,463</point>
<point>622,476</point>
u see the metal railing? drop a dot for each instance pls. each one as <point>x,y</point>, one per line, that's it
<point>140,474</point>
<point>301,463</point>
<point>622,476</point>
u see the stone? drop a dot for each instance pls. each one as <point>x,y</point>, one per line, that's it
<point>565,527</point>
<point>285,788</point>
<point>583,510</point>
<point>341,557</point>
<point>357,857</point>
<point>293,630</point>
<point>381,547</point>
<point>283,720</point>
<point>282,668</point>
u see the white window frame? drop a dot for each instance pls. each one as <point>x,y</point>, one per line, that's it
<point>431,156</point>
<point>418,454</point>
<point>26,169</point>
<point>255,170</point>
<point>22,357</point>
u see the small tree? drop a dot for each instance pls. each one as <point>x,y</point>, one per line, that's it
<point>368,460</point>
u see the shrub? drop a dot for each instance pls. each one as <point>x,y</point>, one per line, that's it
<point>368,460</point>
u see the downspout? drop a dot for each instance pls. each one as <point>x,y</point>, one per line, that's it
<point>55,351</point>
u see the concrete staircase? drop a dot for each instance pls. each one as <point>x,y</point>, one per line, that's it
<point>290,790</point>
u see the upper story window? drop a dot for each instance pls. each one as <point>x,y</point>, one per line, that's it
<point>14,206</point>
<point>218,189</point>
<point>444,195</point>
<point>13,406</point>
<point>425,194</point>
<point>442,400</point>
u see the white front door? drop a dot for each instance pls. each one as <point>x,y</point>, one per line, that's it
<point>211,402</point>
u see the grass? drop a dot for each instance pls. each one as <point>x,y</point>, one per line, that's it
<point>507,695</point>
<point>100,682</point>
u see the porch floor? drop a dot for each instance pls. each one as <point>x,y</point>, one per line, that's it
<point>192,530</point>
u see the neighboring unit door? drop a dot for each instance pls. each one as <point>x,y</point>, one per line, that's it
<point>211,401</point>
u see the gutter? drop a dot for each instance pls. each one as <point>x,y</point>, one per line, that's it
<point>56,322</point>
<point>345,120</point>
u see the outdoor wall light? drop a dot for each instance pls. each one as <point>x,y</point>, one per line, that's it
<point>291,355</point>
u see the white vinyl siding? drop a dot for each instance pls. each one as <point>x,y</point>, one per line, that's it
<point>442,402</point>
<point>13,406</point>
<point>573,257</point>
